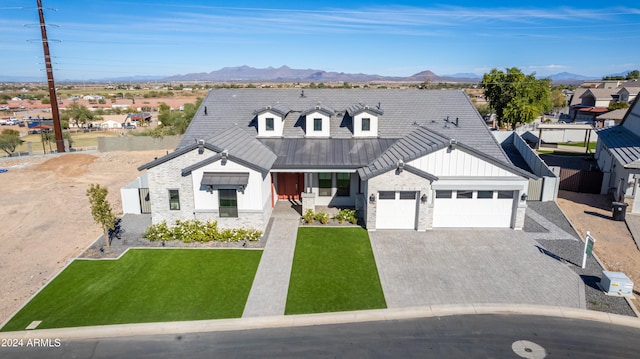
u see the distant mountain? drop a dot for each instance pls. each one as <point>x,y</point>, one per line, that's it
<point>282,73</point>
<point>140,78</point>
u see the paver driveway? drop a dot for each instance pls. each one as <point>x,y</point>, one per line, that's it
<point>471,266</point>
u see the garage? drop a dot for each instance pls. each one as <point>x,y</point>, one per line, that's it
<point>396,210</point>
<point>473,208</point>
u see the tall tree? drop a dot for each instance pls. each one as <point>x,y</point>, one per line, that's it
<point>101,209</point>
<point>9,141</point>
<point>558,99</point>
<point>79,114</point>
<point>516,97</point>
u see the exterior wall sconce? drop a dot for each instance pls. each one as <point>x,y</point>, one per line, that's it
<point>523,198</point>
<point>372,198</point>
<point>423,198</point>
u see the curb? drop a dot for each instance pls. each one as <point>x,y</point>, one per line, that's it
<point>205,326</point>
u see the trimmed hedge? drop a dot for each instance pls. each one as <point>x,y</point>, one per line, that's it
<point>198,231</point>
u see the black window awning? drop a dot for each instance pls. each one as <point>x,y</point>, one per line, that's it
<point>225,179</point>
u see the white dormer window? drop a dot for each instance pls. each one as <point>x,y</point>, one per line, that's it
<point>317,121</point>
<point>366,124</point>
<point>365,120</point>
<point>270,120</point>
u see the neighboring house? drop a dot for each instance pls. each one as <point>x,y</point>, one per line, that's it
<point>138,118</point>
<point>405,159</point>
<point>618,156</point>
<point>110,124</point>
<point>611,118</point>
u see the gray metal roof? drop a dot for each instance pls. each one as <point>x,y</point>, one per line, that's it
<point>623,144</point>
<point>276,108</point>
<point>309,153</point>
<point>225,179</point>
<point>357,108</point>
<point>403,109</point>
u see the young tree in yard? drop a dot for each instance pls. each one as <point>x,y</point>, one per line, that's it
<point>516,97</point>
<point>9,141</point>
<point>101,209</point>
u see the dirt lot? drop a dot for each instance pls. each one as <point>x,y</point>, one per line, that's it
<point>46,220</point>
<point>614,245</point>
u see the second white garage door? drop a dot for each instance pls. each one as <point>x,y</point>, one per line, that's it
<point>473,209</point>
<point>396,210</point>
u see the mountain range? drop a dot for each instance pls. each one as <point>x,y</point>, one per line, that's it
<point>287,74</point>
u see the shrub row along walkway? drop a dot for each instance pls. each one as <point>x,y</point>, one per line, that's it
<point>268,294</point>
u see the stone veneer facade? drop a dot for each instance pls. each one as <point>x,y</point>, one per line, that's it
<point>403,181</point>
<point>170,172</point>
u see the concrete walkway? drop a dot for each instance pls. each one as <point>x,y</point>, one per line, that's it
<point>633,223</point>
<point>268,295</point>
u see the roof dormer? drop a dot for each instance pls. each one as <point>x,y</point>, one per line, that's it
<point>365,119</point>
<point>271,120</point>
<point>317,121</point>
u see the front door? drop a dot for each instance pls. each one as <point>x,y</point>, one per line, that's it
<point>290,185</point>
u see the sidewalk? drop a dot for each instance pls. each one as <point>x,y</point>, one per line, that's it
<point>633,223</point>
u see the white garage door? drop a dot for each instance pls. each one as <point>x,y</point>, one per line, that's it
<point>396,210</point>
<point>473,209</point>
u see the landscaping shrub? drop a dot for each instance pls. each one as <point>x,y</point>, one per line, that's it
<point>198,231</point>
<point>346,215</point>
<point>322,217</point>
<point>308,216</point>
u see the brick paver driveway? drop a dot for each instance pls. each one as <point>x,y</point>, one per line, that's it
<point>471,266</point>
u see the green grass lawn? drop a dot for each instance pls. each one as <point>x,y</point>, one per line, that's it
<point>151,285</point>
<point>592,145</point>
<point>333,270</point>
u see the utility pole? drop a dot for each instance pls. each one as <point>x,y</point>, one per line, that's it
<point>57,127</point>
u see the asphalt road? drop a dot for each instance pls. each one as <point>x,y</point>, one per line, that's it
<point>469,336</point>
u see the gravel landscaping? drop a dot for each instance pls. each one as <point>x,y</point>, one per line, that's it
<point>570,253</point>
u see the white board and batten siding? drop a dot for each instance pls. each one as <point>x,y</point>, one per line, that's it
<point>455,163</point>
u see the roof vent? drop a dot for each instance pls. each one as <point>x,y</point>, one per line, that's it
<point>302,93</point>
<point>225,156</point>
<point>456,123</point>
<point>378,105</point>
<point>452,143</point>
<point>200,143</point>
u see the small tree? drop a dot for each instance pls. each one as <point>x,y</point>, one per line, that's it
<point>9,141</point>
<point>101,209</point>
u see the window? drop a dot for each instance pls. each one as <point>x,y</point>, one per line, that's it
<point>366,124</point>
<point>317,124</point>
<point>343,182</point>
<point>174,200</point>
<point>407,195</point>
<point>444,194</point>
<point>505,194</point>
<point>269,124</point>
<point>464,194</point>
<point>485,194</point>
<point>324,184</point>
<point>386,195</point>
<point>228,201</point>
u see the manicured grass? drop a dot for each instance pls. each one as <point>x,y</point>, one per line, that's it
<point>592,145</point>
<point>145,285</point>
<point>333,270</point>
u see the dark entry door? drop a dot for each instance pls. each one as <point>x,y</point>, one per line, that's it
<point>290,185</point>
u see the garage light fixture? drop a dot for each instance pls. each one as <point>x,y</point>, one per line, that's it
<point>523,198</point>
<point>423,198</point>
<point>372,198</point>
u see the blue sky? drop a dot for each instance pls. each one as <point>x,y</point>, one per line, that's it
<point>107,39</point>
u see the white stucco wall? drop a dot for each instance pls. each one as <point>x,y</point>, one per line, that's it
<point>278,125</point>
<point>357,125</point>
<point>326,128</point>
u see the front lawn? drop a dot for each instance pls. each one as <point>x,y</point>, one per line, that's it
<point>333,270</point>
<point>145,285</point>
